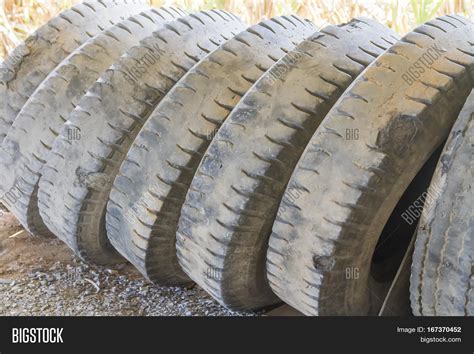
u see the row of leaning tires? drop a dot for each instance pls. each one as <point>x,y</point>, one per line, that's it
<point>266,163</point>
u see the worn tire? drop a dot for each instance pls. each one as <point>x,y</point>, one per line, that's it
<point>442,276</point>
<point>231,204</point>
<point>349,188</point>
<point>150,189</point>
<point>30,63</point>
<point>76,181</point>
<point>29,142</point>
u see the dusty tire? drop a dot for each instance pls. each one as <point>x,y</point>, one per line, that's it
<point>30,63</point>
<point>442,270</point>
<point>231,204</point>
<point>335,222</point>
<point>76,181</point>
<point>146,201</point>
<point>29,142</point>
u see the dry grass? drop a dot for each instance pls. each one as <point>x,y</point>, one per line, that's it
<point>18,18</point>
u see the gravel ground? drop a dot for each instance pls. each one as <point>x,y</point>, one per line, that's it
<point>78,289</point>
<point>41,277</point>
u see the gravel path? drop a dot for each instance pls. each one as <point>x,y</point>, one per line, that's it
<point>42,277</point>
<point>71,290</point>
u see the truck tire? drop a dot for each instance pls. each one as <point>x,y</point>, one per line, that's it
<point>145,203</point>
<point>29,64</point>
<point>231,204</point>
<point>442,276</point>
<point>29,142</point>
<point>76,181</point>
<point>403,107</point>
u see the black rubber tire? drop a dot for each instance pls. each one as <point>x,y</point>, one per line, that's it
<point>29,142</point>
<point>150,189</point>
<point>349,188</point>
<point>29,64</point>
<point>231,204</point>
<point>76,181</point>
<point>442,276</point>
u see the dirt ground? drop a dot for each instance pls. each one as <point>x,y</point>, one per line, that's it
<point>21,253</point>
<point>41,276</point>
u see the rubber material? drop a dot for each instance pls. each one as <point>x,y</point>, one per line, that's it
<point>29,142</point>
<point>403,107</point>
<point>442,273</point>
<point>150,189</point>
<point>29,64</point>
<point>76,181</point>
<point>231,205</point>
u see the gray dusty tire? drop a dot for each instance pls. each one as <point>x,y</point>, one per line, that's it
<point>76,181</point>
<point>29,141</point>
<point>403,109</point>
<point>442,275</point>
<point>231,204</point>
<point>148,193</point>
<point>30,63</point>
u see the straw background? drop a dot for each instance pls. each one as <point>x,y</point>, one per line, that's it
<point>18,18</point>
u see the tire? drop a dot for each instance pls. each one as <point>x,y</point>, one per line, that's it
<point>30,63</point>
<point>76,181</point>
<point>442,270</point>
<point>231,204</point>
<point>335,222</point>
<point>29,142</point>
<point>149,191</point>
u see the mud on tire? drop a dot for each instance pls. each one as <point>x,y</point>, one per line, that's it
<point>442,270</point>
<point>350,187</point>
<point>30,63</point>
<point>76,181</point>
<point>149,191</point>
<point>28,144</point>
<point>232,201</point>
